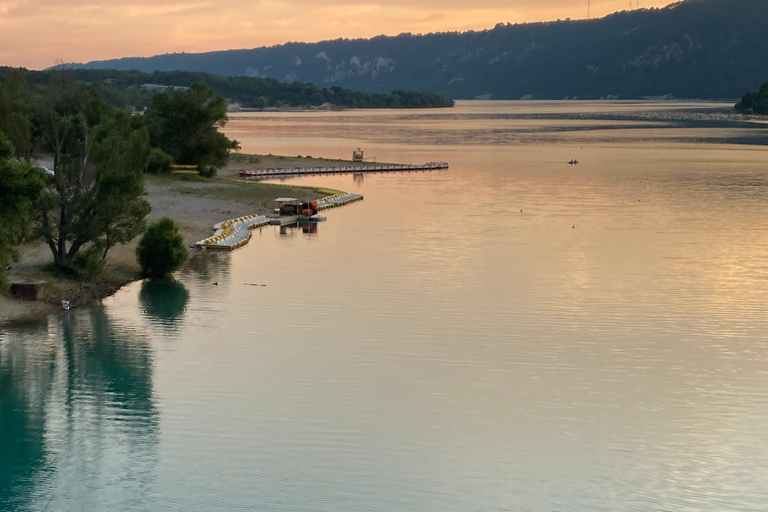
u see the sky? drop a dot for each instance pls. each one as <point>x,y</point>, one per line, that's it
<point>39,33</point>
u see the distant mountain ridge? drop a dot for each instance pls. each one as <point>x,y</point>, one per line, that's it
<point>714,49</point>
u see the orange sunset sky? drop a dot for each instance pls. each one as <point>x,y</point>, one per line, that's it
<point>38,33</point>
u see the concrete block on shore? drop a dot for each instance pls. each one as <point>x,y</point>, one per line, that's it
<point>28,291</point>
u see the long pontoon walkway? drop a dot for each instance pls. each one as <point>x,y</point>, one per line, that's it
<point>234,233</point>
<point>263,174</point>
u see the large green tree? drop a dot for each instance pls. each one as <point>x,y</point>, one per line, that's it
<point>15,115</point>
<point>20,186</point>
<point>99,155</point>
<point>186,125</point>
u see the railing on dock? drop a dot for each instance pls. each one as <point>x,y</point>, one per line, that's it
<point>356,169</point>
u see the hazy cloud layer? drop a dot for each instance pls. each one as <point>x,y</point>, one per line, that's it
<point>37,33</point>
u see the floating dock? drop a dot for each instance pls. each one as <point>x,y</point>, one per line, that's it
<point>234,233</point>
<point>336,200</point>
<point>262,174</point>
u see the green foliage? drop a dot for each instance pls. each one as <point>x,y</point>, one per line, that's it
<point>186,125</point>
<point>88,263</point>
<point>15,115</point>
<point>754,102</point>
<point>159,162</point>
<point>94,196</point>
<point>161,250</point>
<point>20,187</point>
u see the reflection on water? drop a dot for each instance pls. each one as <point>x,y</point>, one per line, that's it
<point>164,300</point>
<point>306,227</point>
<point>77,414</point>
<point>208,268</point>
<point>512,334</point>
<point>483,123</point>
<point>309,228</point>
<point>22,425</point>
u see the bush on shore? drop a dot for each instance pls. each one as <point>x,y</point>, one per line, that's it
<point>159,161</point>
<point>161,249</point>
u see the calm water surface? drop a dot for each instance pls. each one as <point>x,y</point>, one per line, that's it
<point>512,334</point>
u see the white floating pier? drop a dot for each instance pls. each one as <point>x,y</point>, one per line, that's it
<point>337,200</point>
<point>231,234</point>
<point>262,174</point>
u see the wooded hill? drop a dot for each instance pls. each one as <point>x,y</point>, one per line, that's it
<point>754,102</point>
<point>693,49</point>
<point>135,89</point>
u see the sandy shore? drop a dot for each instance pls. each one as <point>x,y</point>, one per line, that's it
<point>195,204</point>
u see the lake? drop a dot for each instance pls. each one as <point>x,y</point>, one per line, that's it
<point>514,333</point>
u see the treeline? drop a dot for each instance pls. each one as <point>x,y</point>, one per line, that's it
<point>134,89</point>
<point>91,197</point>
<point>754,102</point>
<point>397,99</point>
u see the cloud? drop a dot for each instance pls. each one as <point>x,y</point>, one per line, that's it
<point>141,10</point>
<point>7,7</point>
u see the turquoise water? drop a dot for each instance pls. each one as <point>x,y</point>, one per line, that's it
<point>512,334</point>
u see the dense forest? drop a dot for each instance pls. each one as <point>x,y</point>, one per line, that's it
<point>754,102</point>
<point>134,89</point>
<point>692,49</point>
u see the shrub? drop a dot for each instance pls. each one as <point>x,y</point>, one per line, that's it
<point>161,249</point>
<point>159,161</point>
<point>206,171</point>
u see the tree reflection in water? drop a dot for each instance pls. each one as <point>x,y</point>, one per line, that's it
<point>207,268</point>
<point>164,300</point>
<point>76,414</point>
<point>25,383</point>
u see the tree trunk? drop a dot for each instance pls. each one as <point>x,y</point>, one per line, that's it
<point>61,244</point>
